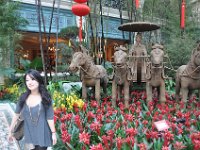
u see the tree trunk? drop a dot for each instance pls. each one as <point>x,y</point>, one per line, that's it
<point>102,31</point>
<point>130,14</point>
<point>47,63</point>
<point>57,29</point>
<point>38,8</point>
<point>47,39</point>
<point>120,14</point>
<point>92,32</point>
<point>93,24</point>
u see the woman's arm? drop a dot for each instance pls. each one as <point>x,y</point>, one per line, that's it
<point>51,125</point>
<point>53,130</point>
<point>14,119</point>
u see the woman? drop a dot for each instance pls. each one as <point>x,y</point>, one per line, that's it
<point>35,106</point>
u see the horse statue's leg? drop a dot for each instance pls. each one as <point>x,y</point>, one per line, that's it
<point>190,94</point>
<point>119,91</point>
<point>149,92</point>
<point>177,89</point>
<point>97,91</point>
<point>199,94</point>
<point>84,91</point>
<point>184,92</point>
<point>178,86</point>
<point>126,93</point>
<point>143,70</point>
<point>104,90</point>
<point>162,92</point>
<point>114,89</point>
<point>105,84</point>
<point>179,80</point>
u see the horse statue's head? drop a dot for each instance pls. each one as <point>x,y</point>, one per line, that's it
<point>120,55</point>
<point>157,55</point>
<point>79,57</point>
<point>195,58</point>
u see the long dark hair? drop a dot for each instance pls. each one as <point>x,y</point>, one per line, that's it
<point>46,97</point>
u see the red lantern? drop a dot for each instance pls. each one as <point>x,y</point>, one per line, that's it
<point>80,10</point>
<point>137,4</point>
<point>183,14</point>
<point>80,1</point>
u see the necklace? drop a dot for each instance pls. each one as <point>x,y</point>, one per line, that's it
<point>34,120</point>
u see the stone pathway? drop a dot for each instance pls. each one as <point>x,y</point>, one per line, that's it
<point>6,113</point>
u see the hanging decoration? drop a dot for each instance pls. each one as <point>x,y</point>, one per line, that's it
<point>80,1</point>
<point>137,4</point>
<point>80,10</point>
<point>182,22</point>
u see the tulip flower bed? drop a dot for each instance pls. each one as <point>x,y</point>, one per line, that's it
<point>93,127</point>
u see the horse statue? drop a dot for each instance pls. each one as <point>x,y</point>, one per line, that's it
<point>120,70</point>
<point>155,73</point>
<point>188,76</point>
<point>91,75</point>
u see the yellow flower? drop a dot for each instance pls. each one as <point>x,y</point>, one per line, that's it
<point>80,103</point>
<point>62,106</point>
<point>68,101</point>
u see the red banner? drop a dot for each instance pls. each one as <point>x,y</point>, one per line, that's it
<point>183,14</point>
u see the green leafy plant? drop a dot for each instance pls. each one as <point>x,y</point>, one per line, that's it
<point>108,67</point>
<point>70,32</point>
<point>36,63</point>
<point>170,85</point>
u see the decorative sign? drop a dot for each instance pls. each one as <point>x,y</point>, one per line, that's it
<point>161,125</point>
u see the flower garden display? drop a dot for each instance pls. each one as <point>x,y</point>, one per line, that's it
<point>90,126</point>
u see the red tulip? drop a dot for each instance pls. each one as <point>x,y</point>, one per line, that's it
<point>66,137</point>
<point>95,126</point>
<point>179,146</point>
<point>131,132</point>
<point>96,147</point>
<point>85,138</point>
<point>119,143</point>
<point>142,146</point>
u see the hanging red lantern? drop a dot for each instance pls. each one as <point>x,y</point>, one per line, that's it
<point>80,10</point>
<point>80,1</point>
<point>137,4</point>
<point>183,14</point>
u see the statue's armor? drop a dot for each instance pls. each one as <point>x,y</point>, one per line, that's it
<point>137,63</point>
<point>138,50</point>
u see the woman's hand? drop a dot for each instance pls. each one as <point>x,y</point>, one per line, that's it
<point>14,119</point>
<point>54,138</point>
<point>10,137</point>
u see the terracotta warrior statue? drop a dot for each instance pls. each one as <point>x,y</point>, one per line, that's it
<point>137,60</point>
<point>138,49</point>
